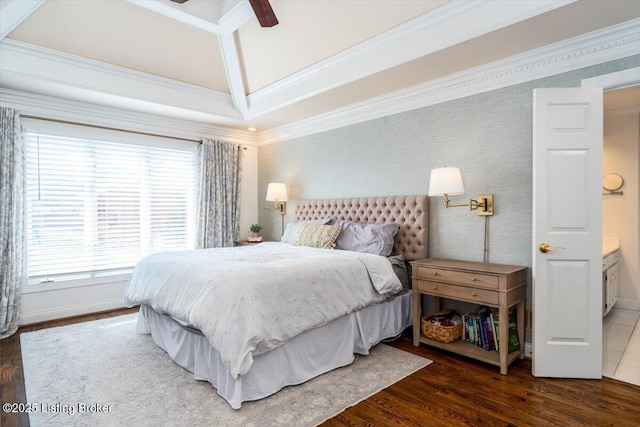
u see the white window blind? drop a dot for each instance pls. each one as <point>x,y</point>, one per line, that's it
<point>95,207</point>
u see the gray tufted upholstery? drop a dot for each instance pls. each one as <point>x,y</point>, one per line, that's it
<point>411,212</point>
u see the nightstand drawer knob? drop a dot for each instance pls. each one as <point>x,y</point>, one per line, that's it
<point>474,280</point>
<point>435,274</point>
<point>435,287</point>
<point>474,294</point>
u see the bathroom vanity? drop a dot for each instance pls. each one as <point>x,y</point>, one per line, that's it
<point>610,276</point>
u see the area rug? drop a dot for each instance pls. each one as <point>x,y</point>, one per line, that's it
<point>102,373</point>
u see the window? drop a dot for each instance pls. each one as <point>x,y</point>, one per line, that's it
<point>98,201</point>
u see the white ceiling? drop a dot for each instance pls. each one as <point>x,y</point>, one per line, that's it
<point>209,61</point>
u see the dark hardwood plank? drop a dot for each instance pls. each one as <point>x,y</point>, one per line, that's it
<point>451,391</point>
<point>459,391</point>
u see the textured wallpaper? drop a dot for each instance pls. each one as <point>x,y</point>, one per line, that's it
<point>488,136</point>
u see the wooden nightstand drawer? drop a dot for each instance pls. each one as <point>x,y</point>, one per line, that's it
<point>475,295</point>
<point>461,277</point>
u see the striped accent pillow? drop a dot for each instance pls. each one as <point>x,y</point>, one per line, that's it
<point>316,235</point>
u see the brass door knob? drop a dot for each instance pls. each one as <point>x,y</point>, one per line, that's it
<point>544,248</point>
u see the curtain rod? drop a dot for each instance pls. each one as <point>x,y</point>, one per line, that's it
<point>111,128</point>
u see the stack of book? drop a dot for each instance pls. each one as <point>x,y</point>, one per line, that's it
<point>483,329</point>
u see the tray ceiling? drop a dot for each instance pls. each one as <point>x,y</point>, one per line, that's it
<point>209,61</point>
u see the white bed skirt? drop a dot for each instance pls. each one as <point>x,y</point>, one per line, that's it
<point>304,357</point>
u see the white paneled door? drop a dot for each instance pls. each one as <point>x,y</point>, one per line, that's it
<point>567,232</point>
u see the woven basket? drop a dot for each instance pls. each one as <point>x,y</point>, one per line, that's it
<point>439,332</point>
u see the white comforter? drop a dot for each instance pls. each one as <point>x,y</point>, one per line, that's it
<point>250,299</point>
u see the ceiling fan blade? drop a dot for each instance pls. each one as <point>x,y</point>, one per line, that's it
<point>264,13</point>
<point>262,8</point>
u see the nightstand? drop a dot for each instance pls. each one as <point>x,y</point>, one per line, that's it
<point>494,285</point>
<point>245,243</point>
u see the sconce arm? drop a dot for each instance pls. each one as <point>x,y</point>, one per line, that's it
<point>484,206</point>
<point>279,206</point>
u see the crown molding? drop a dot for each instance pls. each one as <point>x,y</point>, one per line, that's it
<point>54,108</point>
<point>447,25</point>
<point>605,45</point>
<point>36,69</point>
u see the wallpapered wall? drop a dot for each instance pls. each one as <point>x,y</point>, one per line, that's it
<point>488,136</point>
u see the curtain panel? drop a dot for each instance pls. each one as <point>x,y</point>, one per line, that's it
<point>219,194</point>
<point>12,185</point>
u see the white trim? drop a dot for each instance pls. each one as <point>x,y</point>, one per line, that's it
<point>14,12</point>
<point>450,24</point>
<point>24,64</point>
<point>123,90</point>
<point>225,25</point>
<point>234,73</point>
<point>609,44</point>
<point>69,311</point>
<point>174,12</point>
<point>618,80</point>
<point>20,50</point>
<point>96,281</point>
<point>235,18</point>
<point>74,111</point>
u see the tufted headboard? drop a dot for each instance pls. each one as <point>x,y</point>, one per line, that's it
<point>411,212</point>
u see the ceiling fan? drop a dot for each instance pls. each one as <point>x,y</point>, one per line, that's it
<point>262,9</point>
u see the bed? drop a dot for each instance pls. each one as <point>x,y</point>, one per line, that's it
<point>326,337</point>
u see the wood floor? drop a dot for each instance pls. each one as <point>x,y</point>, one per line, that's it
<point>451,391</point>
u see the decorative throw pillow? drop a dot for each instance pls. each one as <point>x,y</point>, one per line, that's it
<point>374,239</point>
<point>316,235</point>
<point>292,228</point>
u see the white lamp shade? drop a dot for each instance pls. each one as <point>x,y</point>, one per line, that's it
<point>276,191</point>
<point>445,181</point>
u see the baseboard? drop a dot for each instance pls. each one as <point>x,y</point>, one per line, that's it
<point>59,313</point>
<point>628,304</point>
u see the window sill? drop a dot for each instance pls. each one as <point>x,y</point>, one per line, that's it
<point>52,286</point>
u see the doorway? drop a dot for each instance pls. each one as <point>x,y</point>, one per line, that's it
<point>621,158</point>
<point>561,118</point>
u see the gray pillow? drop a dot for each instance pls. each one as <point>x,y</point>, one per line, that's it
<point>400,268</point>
<point>367,238</point>
<point>291,230</point>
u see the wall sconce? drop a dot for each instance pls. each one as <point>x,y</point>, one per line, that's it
<point>447,182</point>
<point>277,193</point>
